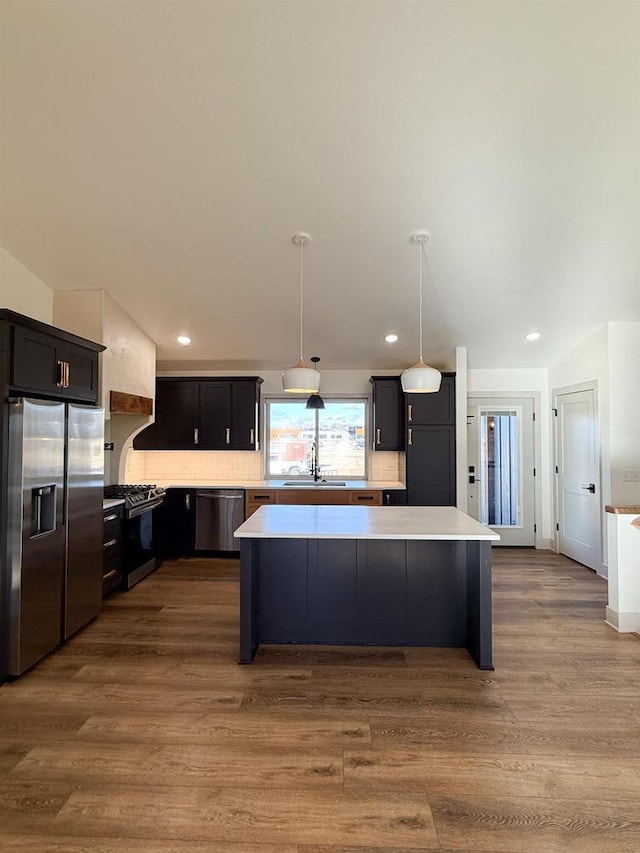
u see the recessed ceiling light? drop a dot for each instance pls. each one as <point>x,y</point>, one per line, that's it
<point>532,336</point>
<point>183,340</point>
<point>391,339</point>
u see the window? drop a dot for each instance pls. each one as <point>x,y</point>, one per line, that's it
<point>338,432</point>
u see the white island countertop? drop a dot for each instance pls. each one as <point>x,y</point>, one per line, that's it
<point>363,522</point>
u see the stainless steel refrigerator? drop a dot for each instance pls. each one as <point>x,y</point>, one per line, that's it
<point>54,559</point>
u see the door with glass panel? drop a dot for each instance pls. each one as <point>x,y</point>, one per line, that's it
<point>500,478</point>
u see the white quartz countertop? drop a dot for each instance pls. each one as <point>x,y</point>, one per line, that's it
<point>363,522</point>
<point>279,484</point>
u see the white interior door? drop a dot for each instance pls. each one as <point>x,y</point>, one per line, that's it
<point>501,477</point>
<point>578,486</point>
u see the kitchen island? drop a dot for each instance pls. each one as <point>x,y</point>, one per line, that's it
<point>368,575</point>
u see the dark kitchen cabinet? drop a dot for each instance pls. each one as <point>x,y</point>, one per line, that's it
<point>177,521</point>
<point>438,408</point>
<point>431,465</point>
<point>204,414</point>
<point>53,364</point>
<point>112,560</point>
<point>388,413</point>
<point>431,446</point>
<point>177,419</point>
<point>394,497</point>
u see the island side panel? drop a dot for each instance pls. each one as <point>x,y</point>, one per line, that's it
<point>381,592</point>
<point>436,594</point>
<point>249,599</point>
<point>479,604</point>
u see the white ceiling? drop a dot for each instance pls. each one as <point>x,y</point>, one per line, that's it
<point>167,151</point>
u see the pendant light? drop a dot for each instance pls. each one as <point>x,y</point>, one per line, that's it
<point>315,401</point>
<point>301,378</point>
<point>420,379</point>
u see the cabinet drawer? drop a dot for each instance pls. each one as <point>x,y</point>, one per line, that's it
<point>313,496</point>
<point>261,496</point>
<point>371,497</point>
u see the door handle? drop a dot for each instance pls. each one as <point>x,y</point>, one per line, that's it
<point>410,436</point>
<point>410,412</point>
<point>252,434</point>
<point>227,436</point>
<point>110,518</point>
<point>110,543</point>
<point>60,369</point>
<point>67,374</point>
<point>378,436</point>
<point>590,488</point>
<point>196,435</point>
<point>187,500</point>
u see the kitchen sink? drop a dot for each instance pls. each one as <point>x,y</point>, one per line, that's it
<point>312,484</point>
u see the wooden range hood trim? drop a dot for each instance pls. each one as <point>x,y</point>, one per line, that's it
<point>130,404</point>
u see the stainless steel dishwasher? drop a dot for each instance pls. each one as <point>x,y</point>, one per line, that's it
<point>218,513</point>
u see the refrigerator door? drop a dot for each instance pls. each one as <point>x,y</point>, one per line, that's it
<point>36,535</point>
<point>84,492</point>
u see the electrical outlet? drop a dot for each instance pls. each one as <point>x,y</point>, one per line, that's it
<point>631,475</point>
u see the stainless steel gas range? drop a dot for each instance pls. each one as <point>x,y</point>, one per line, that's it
<point>140,543</point>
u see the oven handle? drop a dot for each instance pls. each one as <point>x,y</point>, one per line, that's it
<point>140,510</point>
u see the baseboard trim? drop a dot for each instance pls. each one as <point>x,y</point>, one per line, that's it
<point>623,623</point>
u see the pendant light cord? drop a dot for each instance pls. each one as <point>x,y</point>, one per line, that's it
<point>301,294</point>
<point>420,250</point>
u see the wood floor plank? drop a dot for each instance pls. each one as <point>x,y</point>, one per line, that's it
<point>250,816</point>
<point>306,731</point>
<point>530,737</point>
<point>69,844</point>
<point>506,775</point>
<point>533,825</point>
<point>240,765</point>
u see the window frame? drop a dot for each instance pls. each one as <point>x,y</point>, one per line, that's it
<point>364,398</point>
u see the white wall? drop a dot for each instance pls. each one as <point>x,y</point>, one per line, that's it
<point>22,291</point>
<point>624,412</point>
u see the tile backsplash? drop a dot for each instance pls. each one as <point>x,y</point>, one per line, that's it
<point>187,466</point>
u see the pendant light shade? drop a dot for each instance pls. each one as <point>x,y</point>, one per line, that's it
<point>301,378</point>
<point>315,401</point>
<point>420,379</point>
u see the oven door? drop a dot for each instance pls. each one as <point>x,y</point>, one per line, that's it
<point>140,545</point>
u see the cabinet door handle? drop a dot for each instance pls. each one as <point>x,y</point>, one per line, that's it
<point>378,436</point>
<point>196,435</point>
<point>110,574</point>
<point>60,369</point>
<point>410,412</point>
<point>410,436</point>
<point>227,436</point>
<point>252,433</point>
<point>110,518</point>
<point>387,500</point>
<point>67,374</point>
<point>187,500</point>
<point>364,497</point>
<point>110,543</point>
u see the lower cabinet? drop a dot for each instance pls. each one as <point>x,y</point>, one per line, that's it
<point>256,498</point>
<point>177,519</point>
<point>394,497</point>
<point>112,560</point>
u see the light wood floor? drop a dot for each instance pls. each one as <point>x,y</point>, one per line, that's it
<point>143,734</point>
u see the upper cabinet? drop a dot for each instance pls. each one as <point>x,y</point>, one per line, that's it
<point>388,413</point>
<point>204,414</point>
<point>433,409</point>
<point>49,362</point>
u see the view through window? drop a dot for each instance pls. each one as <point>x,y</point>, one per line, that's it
<point>338,432</point>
